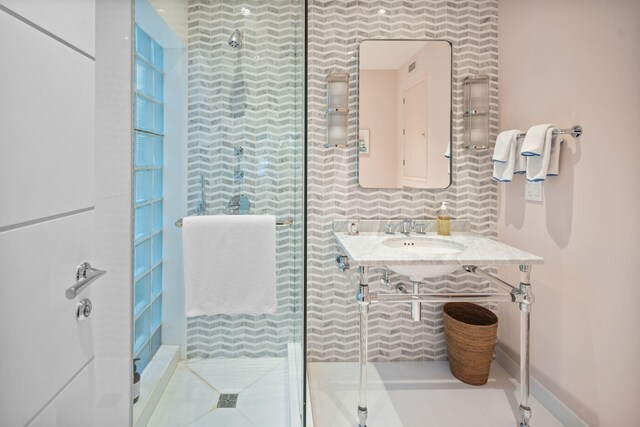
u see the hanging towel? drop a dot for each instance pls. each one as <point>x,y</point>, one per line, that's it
<point>229,264</point>
<point>534,140</point>
<point>504,155</point>
<point>521,161</point>
<point>538,165</point>
<point>554,159</point>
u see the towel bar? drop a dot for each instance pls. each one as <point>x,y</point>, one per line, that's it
<point>285,223</point>
<point>575,131</point>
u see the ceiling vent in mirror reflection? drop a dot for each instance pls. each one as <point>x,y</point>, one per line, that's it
<point>405,109</point>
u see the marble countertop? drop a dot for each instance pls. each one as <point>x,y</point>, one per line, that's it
<point>367,249</point>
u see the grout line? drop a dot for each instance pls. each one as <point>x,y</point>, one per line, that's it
<point>203,380</point>
<point>44,219</point>
<point>262,376</point>
<point>245,417</point>
<point>44,31</point>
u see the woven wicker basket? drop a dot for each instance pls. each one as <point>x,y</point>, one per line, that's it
<point>471,332</point>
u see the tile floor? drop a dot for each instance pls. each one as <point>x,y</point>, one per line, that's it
<point>416,394</point>
<point>191,396</point>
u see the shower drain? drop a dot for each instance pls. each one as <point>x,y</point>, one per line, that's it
<point>227,401</point>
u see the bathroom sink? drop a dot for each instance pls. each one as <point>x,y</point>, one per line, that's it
<point>423,246</point>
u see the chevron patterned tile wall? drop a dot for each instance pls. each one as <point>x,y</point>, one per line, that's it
<point>251,98</point>
<point>336,27</point>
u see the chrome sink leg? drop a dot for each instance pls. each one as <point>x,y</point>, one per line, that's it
<point>363,300</point>
<point>416,307</point>
<point>525,325</point>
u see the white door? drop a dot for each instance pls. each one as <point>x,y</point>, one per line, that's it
<point>47,210</point>
<point>414,173</point>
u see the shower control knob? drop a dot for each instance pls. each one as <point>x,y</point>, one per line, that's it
<point>84,309</point>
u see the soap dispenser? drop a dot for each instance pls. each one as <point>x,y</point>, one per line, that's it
<point>444,221</point>
<point>136,381</point>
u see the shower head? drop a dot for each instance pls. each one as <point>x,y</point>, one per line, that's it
<point>235,41</point>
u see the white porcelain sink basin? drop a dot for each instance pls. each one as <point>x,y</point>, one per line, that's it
<point>425,247</point>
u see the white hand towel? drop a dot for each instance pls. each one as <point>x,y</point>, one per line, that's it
<point>504,155</point>
<point>534,140</point>
<point>229,264</point>
<point>554,159</point>
<point>538,166</point>
<point>521,161</point>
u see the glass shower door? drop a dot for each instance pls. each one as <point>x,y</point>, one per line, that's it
<point>243,152</point>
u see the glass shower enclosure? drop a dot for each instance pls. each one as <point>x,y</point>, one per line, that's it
<point>219,129</point>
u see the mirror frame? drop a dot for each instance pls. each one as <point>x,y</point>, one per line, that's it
<point>357,99</point>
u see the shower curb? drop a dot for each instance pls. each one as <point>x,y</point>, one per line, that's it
<point>154,381</point>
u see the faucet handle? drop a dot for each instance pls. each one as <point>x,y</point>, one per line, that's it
<point>390,228</point>
<point>408,225</point>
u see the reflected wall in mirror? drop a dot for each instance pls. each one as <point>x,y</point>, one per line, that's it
<point>404,135</point>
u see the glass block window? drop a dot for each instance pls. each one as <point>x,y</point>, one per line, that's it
<point>148,163</point>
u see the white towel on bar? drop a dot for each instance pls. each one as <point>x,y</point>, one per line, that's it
<point>538,165</point>
<point>554,159</point>
<point>504,155</point>
<point>521,161</point>
<point>534,140</point>
<point>229,264</point>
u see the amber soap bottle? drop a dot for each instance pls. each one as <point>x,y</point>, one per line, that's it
<point>444,221</point>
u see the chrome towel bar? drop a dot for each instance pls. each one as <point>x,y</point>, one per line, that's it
<point>575,132</point>
<point>84,276</point>
<point>285,223</point>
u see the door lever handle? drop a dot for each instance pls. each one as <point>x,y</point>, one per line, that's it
<point>84,276</point>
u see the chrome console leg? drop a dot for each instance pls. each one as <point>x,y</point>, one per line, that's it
<point>526,300</point>
<point>364,300</point>
<point>416,307</point>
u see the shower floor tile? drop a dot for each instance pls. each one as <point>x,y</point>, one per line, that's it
<point>411,394</point>
<point>191,397</point>
<point>186,398</point>
<point>233,375</point>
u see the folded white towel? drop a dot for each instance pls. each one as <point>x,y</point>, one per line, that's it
<point>229,264</point>
<point>534,140</point>
<point>504,155</point>
<point>521,161</point>
<point>554,159</point>
<point>538,165</point>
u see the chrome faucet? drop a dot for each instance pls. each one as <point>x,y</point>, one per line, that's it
<point>407,226</point>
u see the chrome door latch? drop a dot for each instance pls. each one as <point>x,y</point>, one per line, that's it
<point>84,309</point>
<point>85,275</point>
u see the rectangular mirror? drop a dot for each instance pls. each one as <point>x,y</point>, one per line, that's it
<point>404,121</point>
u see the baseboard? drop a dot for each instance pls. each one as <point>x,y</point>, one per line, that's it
<point>554,405</point>
<point>153,381</point>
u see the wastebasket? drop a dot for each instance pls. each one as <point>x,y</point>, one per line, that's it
<point>471,332</point>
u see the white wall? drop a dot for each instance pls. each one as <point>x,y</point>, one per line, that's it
<point>175,14</point>
<point>114,213</point>
<point>577,62</point>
